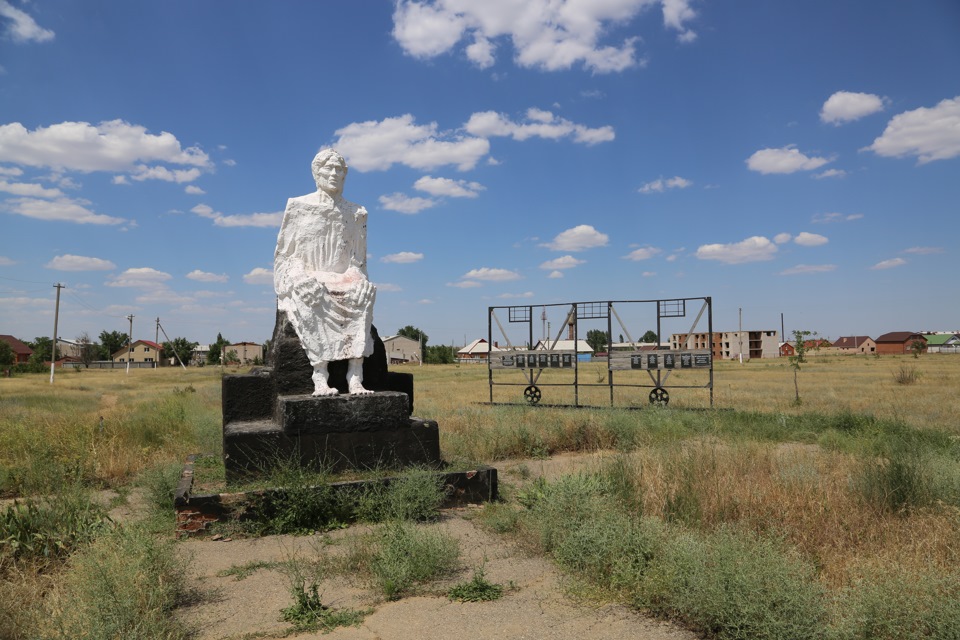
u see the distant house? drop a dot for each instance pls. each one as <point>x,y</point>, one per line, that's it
<point>787,350</point>
<point>943,342</point>
<point>584,350</point>
<point>731,345</point>
<point>247,352</point>
<point>855,344</point>
<point>898,342</point>
<point>401,349</point>
<point>198,357</point>
<point>21,352</point>
<point>477,351</point>
<point>139,351</point>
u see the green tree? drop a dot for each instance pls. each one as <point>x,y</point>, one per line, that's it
<point>413,333</point>
<point>178,348</point>
<point>440,354</point>
<point>649,336</point>
<point>7,356</point>
<point>213,356</point>
<point>597,340</point>
<point>111,342</point>
<point>42,347</point>
<point>917,347</point>
<point>799,358</point>
<point>231,357</point>
<point>86,349</point>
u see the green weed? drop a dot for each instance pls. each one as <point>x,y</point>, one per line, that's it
<point>477,589</point>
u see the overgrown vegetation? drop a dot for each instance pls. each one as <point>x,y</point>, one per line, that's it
<point>477,589</point>
<point>308,611</point>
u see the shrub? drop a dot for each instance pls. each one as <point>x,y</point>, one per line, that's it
<point>49,528</point>
<point>414,497</point>
<point>124,585</point>
<point>898,481</point>
<point>735,586</point>
<point>906,375</point>
<point>893,603</point>
<point>406,556</point>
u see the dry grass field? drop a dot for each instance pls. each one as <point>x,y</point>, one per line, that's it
<point>861,480</point>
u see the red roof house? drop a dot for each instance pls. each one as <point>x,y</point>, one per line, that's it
<point>898,342</point>
<point>21,351</point>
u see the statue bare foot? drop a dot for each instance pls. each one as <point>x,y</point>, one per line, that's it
<point>356,387</point>
<point>320,377</point>
<point>324,390</point>
<point>355,377</point>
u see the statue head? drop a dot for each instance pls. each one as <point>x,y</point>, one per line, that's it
<point>329,171</point>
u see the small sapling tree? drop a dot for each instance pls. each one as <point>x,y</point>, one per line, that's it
<point>917,347</point>
<point>800,351</point>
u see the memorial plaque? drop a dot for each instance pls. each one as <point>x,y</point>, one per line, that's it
<point>701,360</point>
<point>507,361</point>
<point>652,361</point>
<point>555,360</point>
<point>567,360</point>
<point>543,360</point>
<point>668,360</point>
<point>636,362</point>
<point>686,360</point>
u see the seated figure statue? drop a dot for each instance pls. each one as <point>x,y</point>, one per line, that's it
<point>320,275</point>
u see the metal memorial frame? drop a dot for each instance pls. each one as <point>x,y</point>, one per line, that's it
<point>659,364</point>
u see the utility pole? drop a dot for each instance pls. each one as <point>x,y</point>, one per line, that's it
<point>130,343</point>
<point>156,333</point>
<point>740,333</point>
<point>56,319</point>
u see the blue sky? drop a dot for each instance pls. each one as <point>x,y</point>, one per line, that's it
<point>800,158</point>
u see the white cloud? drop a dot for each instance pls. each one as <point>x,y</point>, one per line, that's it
<point>784,160</point>
<point>491,275</point>
<point>404,257</point>
<point>119,180</point>
<point>259,275</point>
<point>805,239</point>
<point>563,262</point>
<point>11,171</point>
<point>406,204</point>
<point>923,251</point>
<point>425,301</point>
<point>240,219</point>
<point>845,106</point>
<point>753,249</point>
<point>144,277</point>
<point>372,146</point>
<point>230,163</point>
<point>782,238</point>
<point>802,269</point>
<point>109,146</point>
<point>643,253</point>
<point>579,238</point>
<point>929,134</point>
<point>447,187</point>
<point>250,220</point>
<point>31,190</point>
<point>465,284</point>
<point>660,185</point>
<point>889,264</point>
<point>509,296</point>
<point>142,172</point>
<point>6,262</point>
<point>206,276</point>
<point>648,274</point>
<point>388,287</point>
<point>555,274</point>
<point>549,35</point>
<point>194,190</point>
<point>829,218</point>
<point>68,262</point>
<point>830,173</point>
<point>21,27</point>
<point>539,124</point>
<point>60,210</point>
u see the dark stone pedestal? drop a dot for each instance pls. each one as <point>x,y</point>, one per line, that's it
<point>269,418</point>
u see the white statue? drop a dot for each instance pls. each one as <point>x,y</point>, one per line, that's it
<point>320,275</point>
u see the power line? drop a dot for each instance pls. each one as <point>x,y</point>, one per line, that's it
<point>27,281</point>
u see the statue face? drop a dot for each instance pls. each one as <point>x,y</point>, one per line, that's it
<point>330,177</point>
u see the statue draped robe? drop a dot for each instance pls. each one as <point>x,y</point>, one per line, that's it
<point>320,276</point>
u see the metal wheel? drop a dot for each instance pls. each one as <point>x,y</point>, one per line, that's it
<point>532,394</point>
<point>660,397</point>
